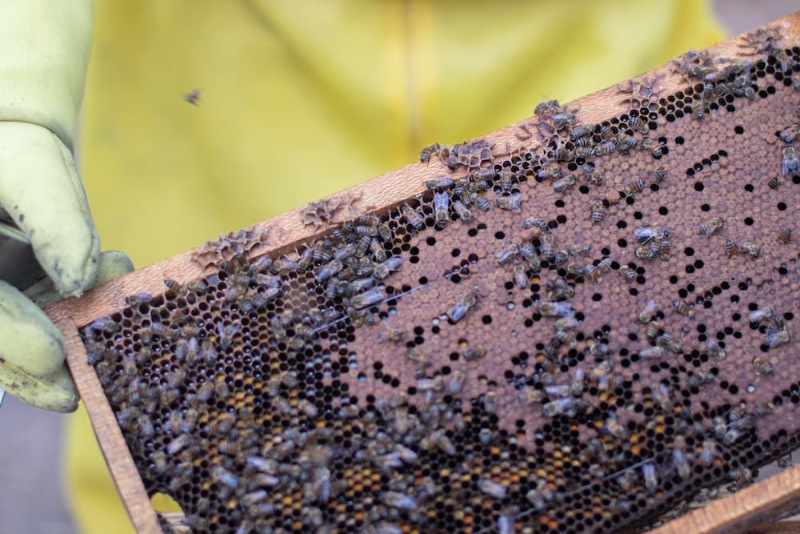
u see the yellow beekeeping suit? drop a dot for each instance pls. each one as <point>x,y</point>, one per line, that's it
<point>300,99</point>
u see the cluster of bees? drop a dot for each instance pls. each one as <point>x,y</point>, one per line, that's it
<point>298,393</point>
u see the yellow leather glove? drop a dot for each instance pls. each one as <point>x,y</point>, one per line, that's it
<point>44,50</point>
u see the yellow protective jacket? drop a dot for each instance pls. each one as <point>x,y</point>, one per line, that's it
<point>300,99</point>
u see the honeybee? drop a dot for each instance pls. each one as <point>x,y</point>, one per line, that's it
<point>775,338</point>
<point>633,188</point>
<point>413,217</point>
<point>788,135</point>
<point>785,236</point>
<point>773,182</point>
<point>460,308</point>
<point>552,172</point>
<point>440,182</point>
<point>712,226</point>
<point>580,131</point>
<point>762,366</point>
<point>752,250</point>
<point>520,275</point>
<point>682,307</point>
<point>563,184</point>
<point>598,210</point>
<point>461,210</point>
<point>628,273</point>
<point>441,207</point>
<point>579,249</point>
<point>535,222</point>
<point>660,173</point>
<point>790,161</point>
<point>547,107</point>
<point>555,309</point>
<point>475,352</point>
<point>532,396</point>
<point>490,402</point>
<point>368,298</point>
<point>382,270</point>
<point>456,382</point>
<point>680,460</point>
<point>510,203</point>
<point>506,179</point>
<point>429,151</point>
<point>731,249</point>
<point>480,201</point>
<point>649,311</point>
<point>507,254</point>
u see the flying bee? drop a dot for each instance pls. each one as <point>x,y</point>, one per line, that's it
<point>490,402</point>
<point>475,352</point>
<point>460,308</point>
<point>715,351</point>
<point>429,151</point>
<point>762,366</point>
<point>790,161</point>
<point>788,135</point>
<point>563,184</point>
<point>531,396</point>
<point>394,335</point>
<point>562,406</point>
<point>682,307</point>
<point>731,249</point>
<point>712,226</point>
<point>649,311</point>
<point>480,201</point>
<point>785,236</point>
<point>492,489</point>
<point>649,475</point>
<point>192,97</point>
<point>775,338</point>
<point>593,273</point>
<point>613,427</point>
<point>520,275</point>
<point>440,182</point>
<point>511,203</point>
<point>761,315</point>
<point>651,353</point>
<point>413,217</point>
<point>456,382</point>
<point>418,357</point>
<point>598,210</point>
<point>752,250</point>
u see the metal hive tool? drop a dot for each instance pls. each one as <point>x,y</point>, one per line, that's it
<point>581,323</point>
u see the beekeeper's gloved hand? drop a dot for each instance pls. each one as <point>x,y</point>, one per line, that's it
<point>44,50</point>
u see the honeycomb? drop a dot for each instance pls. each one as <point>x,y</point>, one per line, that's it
<point>536,344</point>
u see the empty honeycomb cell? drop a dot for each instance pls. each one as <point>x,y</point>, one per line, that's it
<point>495,349</point>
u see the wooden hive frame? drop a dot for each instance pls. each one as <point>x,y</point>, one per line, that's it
<point>771,498</point>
